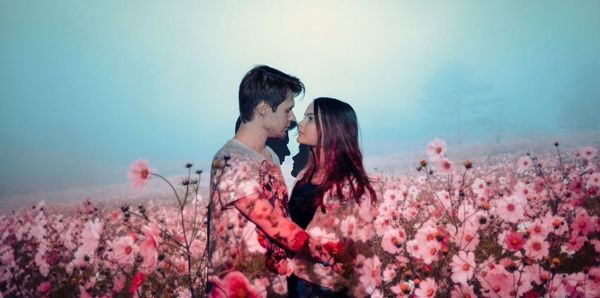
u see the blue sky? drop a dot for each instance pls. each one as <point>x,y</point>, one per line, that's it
<point>88,88</point>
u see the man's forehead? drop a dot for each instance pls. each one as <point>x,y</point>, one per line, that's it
<point>289,102</point>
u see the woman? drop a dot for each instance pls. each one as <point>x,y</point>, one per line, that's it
<point>332,201</point>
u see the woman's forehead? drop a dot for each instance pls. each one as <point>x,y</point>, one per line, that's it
<point>310,109</point>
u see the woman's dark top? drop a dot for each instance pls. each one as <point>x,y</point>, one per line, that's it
<point>302,204</point>
<point>302,207</point>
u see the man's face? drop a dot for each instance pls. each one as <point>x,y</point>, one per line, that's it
<point>277,123</point>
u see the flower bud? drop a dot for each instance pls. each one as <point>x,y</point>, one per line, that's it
<point>468,164</point>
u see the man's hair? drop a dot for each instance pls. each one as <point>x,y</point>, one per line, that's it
<point>264,83</point>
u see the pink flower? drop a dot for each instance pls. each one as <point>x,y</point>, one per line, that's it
<point>596,244</point>
<point>415,248</point>
<point>557,286</point>
<point>152,233</point>
<point>445,166</point>
<point>370,277</point>
<point>556,223</point>
<point>44,287</point>
<point>149,254</point>
<point>536,248</point>
<point>348,226</point>
<point>402,289</point>
<point>538,229</point>
<point>260,284</point>
<point>8,258</point>
<point>280,285</point>
<point>216,288</point>
<point>139,174</point>
<point>467,237</point>
<point>511,209</point>
<point>390,272</point>
<point>92,230</point>
<point>181,264</point>
<point>137,282</point>
<point>594,180</point>
<point>90,238</point>
<point>522,190</point>
<point>427,288</point>
<point>582,224</point>
<point>574,282</point>
<point>496,280</point>
<point>575,243</point>
<point>410,212</point>
<point>430,252</point>
<point>124,250</point>
<point>197,247</point>
<point>537,273</point>
<point>393,239</point>
<point>463,267</point>
<point>479,186</point>
<point>118,282</point>
<point>592,284</point>
<point>514,241</point>
<point>392,195</point>
<point>83,293</point>
<point>250,237</point>
<point>436,149</point>
<point>524,163</point>
<point>588,152</point>
<point>443,197</point>
<point>236,284</point>
<point>463,291</point>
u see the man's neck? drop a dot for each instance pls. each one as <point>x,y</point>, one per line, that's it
<point>252,136</point>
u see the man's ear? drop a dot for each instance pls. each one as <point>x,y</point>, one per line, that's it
<point>262,108</point>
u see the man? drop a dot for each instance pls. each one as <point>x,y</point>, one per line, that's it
<point>250,233</point>
<point>278,145</point>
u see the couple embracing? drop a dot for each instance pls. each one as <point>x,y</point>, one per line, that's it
<point>264,242</point>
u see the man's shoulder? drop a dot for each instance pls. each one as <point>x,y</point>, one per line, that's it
<point>234,151</point>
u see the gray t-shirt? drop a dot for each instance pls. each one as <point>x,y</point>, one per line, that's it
<point>236,244</point>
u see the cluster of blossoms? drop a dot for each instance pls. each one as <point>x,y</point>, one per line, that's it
<point>152,250</point>
<point>525,228</point>
<point>500,227</point>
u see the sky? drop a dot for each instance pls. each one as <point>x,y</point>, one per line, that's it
<point>88,88</point>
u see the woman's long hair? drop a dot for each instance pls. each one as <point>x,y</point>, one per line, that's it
<point>337,135</point>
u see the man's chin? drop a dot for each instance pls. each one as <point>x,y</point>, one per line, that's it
<point>281,136</point>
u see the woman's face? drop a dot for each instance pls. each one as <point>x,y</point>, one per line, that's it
<point>307,128</point>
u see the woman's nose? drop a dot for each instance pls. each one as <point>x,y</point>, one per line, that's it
<point>301,124</point>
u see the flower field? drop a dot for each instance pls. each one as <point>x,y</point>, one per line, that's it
<point>506,227</point>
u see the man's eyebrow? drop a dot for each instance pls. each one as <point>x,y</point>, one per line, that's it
<point>308,114</point>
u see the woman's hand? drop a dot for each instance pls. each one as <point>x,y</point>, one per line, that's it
<point>343,256</point>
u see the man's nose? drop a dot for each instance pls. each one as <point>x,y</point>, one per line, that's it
<point>292,117</point>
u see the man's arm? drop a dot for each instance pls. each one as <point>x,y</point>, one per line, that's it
<point>281,229</point>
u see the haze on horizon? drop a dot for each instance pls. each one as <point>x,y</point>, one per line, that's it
<point>88,88</point>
